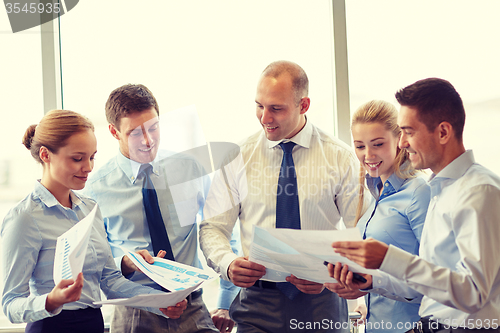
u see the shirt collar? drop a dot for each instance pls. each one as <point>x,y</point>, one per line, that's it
<point>303,138</point>
<point>457,167</point>
<point>131,168</point>
<point>49,200</point>
<point>372,183</point>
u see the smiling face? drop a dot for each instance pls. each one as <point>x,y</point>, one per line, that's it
<point>422,145</point>
<point>376,148</point>
<point>68,169</point>
<point>278,112</point>
<point>138,135</point>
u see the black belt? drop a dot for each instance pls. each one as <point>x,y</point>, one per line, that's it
<point>196,294</point>
<point>265,284</point>
<point>193,295</point>
<point>426,325</point>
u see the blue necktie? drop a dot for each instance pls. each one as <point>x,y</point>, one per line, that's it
<point>287,205</point>
<point>159,237</point>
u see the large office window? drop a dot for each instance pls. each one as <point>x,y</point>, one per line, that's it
<point>206,55</point>
<point>22,105</point>
<point>392,44</point>
<point>203,53</point>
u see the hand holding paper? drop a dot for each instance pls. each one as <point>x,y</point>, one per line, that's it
<point>244,273</point>
<point>301,253</point>
<point>66,291</point>
<point>169,274</point>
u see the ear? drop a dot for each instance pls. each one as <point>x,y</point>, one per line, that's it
<point>44,154</point>
<point>114,132</point>
<point>305,102</point>
<point>445,132</point>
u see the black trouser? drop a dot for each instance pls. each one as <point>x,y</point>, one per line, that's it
<point>87,320</point>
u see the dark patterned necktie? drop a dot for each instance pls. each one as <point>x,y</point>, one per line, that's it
<point>287,205</point>
<point>159,237</point>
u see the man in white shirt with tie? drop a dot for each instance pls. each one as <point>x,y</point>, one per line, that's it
<point>458,269</point>
<point>322,183</point>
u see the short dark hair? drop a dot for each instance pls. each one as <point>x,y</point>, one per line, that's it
<point>435,100</point>
<point>128,99</point>
<point>300,82</point>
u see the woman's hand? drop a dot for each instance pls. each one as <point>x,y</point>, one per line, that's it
<point>66,291</point>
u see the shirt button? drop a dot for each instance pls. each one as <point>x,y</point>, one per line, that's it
<point>132,178</point>
<point>435,197</point>
<point>379,281</point>
<point>386,184</point>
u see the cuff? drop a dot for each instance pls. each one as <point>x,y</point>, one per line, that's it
<point>39,305</point>
<point>224,265</point>
<point>226,297</point>
<point>396,262</point>
<point>118,262</point>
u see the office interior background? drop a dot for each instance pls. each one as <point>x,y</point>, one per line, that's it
<point>207,56</point>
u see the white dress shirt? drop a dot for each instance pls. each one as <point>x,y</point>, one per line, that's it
<point>458,270</point>
<point>246,188</point>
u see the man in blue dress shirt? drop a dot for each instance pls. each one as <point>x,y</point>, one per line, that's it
<point>458,269</point>
<point>132,113</point>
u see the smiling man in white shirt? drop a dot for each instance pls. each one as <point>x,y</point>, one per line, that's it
<point>458,269</point>
<point>326,186</point>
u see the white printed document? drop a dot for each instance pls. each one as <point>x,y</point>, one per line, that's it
<point>171,275</point>
<point>71,248</point>
<point>153,300</point>
<point>302,253</point>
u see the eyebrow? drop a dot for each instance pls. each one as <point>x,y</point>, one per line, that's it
<point>405,127</point>
<point>381,138</point>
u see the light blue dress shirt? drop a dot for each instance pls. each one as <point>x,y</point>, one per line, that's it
<point>29,234</point>
<point>458,270</point>
<point>117,187</point>
<point>395,217</point>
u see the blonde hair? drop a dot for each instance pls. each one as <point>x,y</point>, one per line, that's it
<point>53,131</point>
<point>383,113</point>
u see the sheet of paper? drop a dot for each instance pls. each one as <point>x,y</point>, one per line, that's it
<point>318,243</point>
<point>71,248</point>
<point>304,267</point>
<point>169,274</point>
<point>153,300</point>
<point>301,253</point>
<point>263,251</point>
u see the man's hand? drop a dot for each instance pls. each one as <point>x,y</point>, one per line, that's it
<point>128,266</point>
<point>345,277</point>
<point>368,253</point>
<point>361,308</point>
<point>66,291</point>
<point>344,292</point>
<point>221,320</point>
<point>244,273</point>
<point>306,286</point>
<point>175,312</point>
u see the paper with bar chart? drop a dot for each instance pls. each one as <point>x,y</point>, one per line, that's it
<point>171,275</point>
<point>71,248</point>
